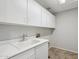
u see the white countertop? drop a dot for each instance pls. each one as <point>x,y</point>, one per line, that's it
<point>8,50</point>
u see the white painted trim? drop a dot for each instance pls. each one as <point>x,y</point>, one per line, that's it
<point>63,49</point>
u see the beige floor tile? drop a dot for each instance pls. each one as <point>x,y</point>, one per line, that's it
<point>55,53</point>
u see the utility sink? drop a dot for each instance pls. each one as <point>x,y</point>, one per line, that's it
<point>25,43</point>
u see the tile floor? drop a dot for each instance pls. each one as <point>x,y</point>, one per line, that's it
<point>55,53</point>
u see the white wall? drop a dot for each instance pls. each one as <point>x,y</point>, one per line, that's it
<point>65,35</point>
<point>11,32</point>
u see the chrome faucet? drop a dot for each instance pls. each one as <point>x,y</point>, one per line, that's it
<point>24,37</point>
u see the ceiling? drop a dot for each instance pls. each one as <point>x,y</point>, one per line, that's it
<point>54,6</point>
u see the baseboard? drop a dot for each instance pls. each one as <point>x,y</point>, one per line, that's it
<point>64,49</point>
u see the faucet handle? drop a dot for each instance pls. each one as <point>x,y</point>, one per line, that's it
<point>37,35</point>
<point>24,34</point>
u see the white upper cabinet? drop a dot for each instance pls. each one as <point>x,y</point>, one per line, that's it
<point>2,10</point>
<point>34,13</point>
<point>16,11</point>
<point>44,17</point>
<point>50,20</point>
<point>53,19</point>
<point>27,12</point>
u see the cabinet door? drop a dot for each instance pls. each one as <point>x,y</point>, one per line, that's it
<point>34,13</point>
<point>42,51</point>
<point>30,54</point>
<point>44,17</point>
<point>2,10</point>
<point>16,11</point>
<point>53,19</point>
<point>50,20</point>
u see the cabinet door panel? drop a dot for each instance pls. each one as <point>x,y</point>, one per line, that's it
<point>50,20</point>
<point>3,10</point>
<point>16,11</point>
<point>44,17</point>
<point>53,17</point>
<point>34,13</point>
<point>30,54</point>
<point>42,51</point>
